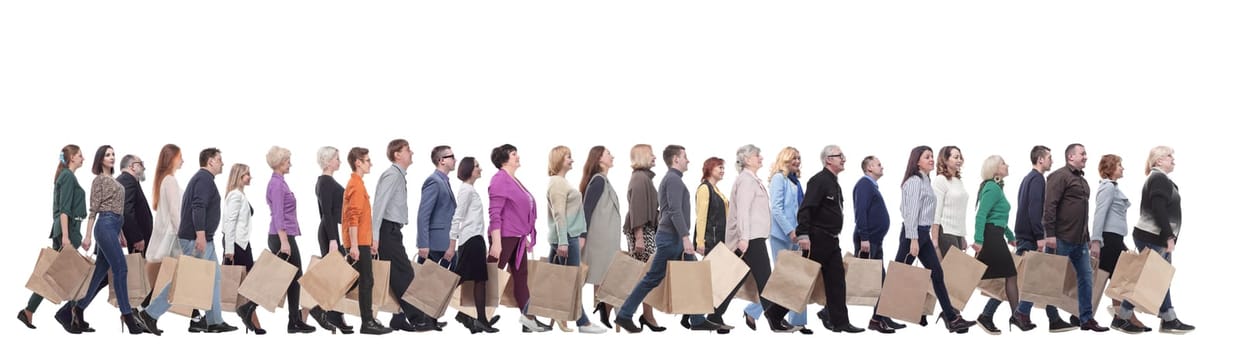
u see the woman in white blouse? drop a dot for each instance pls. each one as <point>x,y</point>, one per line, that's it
<point>748,227</point>
<point>167,210</point>
<point>236,229</point>
<point>951,209</point>
<point>469,226</point>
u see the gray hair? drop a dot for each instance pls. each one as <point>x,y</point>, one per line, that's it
<point>128,160</point>
<point>744,153</point>
<point>826,151</point>
<point>325,155</point>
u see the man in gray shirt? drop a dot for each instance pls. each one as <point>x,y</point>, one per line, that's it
<point>391,213</point>
<point>674,240</point>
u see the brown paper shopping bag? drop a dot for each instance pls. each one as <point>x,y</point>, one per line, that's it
<point>555,290</point>
<point>903,293</point>
<point>962,274</point>
<point>431,289</point>
<point>687,288</point>
<point>1043,278</point>
<point>1142,279</point>
<point>230,279</point>
<point>470,311</point>
<point>329,280</point>
<point>621,278</point>
<point>194,283</point>
<point>70,270</point>
<point>863,278</point>
<point>726,271</point>
<point>997,287</point>
<point>267,282</point>
<point>307,300</point>
<point>42,286</point>
<point>792,282</point>
<point>137,285</point>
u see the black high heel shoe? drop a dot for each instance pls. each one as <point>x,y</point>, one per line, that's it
<point>651,326</point>
<point>321,317</point>
<point>749,321</point>
<point>627,325</point>
<point>247,318</point>
<point>604,314</point>
<point>337,319</point>
<point>22,316</point>
<point>133,323</point>
<point>959,325</point>
<point>1021,321</point>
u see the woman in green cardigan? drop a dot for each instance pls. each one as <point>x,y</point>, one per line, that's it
<point>68,210</point>
<point>991,236</point>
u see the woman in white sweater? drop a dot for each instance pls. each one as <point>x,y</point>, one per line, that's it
<point>951,210</point>
<point>167,210</point>
<point>748,228</point>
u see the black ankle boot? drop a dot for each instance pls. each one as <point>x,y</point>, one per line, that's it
<point>65,317</point>
<point>79,319</point>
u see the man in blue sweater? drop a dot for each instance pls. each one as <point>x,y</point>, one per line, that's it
<point>872,223</point>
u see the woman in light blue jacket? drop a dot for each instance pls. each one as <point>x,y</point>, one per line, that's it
<point>786,193</point>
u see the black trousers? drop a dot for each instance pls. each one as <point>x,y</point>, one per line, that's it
<point>294,288</point>
<point>391,248</point>
<point>825,250</point>
<point>365,283</point>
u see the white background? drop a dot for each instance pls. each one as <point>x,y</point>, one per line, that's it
<point>874,77</point>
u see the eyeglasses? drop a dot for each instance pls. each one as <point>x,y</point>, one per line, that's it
<point>449,156</point>
<point>139,164</point>
<point>840,156</point>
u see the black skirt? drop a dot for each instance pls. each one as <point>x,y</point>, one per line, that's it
<point>1112,246</point>
<point>995,255</point>
<point>471,260</point>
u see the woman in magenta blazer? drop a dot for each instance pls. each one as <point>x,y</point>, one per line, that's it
<point>512,215</point>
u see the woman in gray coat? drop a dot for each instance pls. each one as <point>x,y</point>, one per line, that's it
<point>602,219</point>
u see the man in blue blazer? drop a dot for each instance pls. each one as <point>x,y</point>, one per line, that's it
<point>434,215</point>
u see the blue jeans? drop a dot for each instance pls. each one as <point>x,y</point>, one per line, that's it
<point>669,247</point>
<point>1166,312</point>
<point>159,304</point>
<point>754,310</point>
<point>1078,255</point>
<point>929,258</point>
<point>574,259</point>
<point>107,231</point>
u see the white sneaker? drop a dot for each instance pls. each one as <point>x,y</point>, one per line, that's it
<point>531,324</point>
<point>592,329</point>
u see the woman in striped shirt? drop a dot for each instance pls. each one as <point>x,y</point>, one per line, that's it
<point>917,209</point>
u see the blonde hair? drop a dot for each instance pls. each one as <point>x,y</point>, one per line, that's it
<point>1156,154</point>
<point>990,167</point>
<point>277,155</point>
<point>642,157</point>
<point>743,154</point>
<point>783,160</point>
<point>325,154</point>
<point>234,177</point>
<point>556,163</point>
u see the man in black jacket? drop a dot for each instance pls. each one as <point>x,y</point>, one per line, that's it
<point>820,220</point>
<point>138,221</point>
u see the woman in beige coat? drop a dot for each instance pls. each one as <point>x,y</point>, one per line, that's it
<point>602,219</point>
